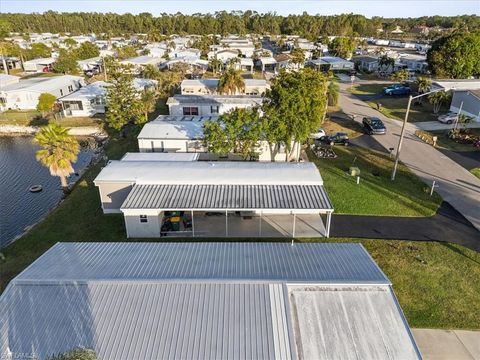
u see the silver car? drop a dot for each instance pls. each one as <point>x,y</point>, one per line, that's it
<point>448,118</point>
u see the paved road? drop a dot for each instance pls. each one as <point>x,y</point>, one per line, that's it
<point>457,186</point>
<point>436,344</point>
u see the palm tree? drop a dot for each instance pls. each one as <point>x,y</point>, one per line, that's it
<point>231,82</point>
<point>401,75</point>
<point>215,65</point>
<point>437,99</point>
<point>385,62</point>
<point>148,101</point>
<point>423,84</point>
<point>58,151</point>
<point>150,71</point>
<point>233,62</point>
<point>333,93</point>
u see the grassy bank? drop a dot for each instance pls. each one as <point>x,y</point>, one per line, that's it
<point>376,194</point>
<point>35,118</point>
<point>476,172</point>
<point>443,141</point>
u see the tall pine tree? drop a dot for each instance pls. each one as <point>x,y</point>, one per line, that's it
<point>122,101</point>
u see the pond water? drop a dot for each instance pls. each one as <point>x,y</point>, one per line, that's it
<point>19,208</point>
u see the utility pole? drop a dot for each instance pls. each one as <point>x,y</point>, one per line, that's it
<point>104,69</point>
<point>402,133</point>
<point>400,142</point>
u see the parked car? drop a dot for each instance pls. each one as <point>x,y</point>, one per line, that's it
<point>337,138</point>
<point>397,89</point>
<point>448,118</point>
<point>374,126</point>
<point>318,135</point>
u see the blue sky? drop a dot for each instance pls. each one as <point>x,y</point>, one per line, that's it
<point>391,8</point>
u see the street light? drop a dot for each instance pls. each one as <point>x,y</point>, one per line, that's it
<point>402,133</point>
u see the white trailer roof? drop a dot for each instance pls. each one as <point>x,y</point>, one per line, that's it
<point>158,156</point>
<point>210,173</point>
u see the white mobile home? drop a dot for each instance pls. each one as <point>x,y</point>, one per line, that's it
<point>24,94</point>
<point>184,134</point>
<point>91,99</point>
<point>38,65</point>
<point>209,104</point>
<point>290,195</point>
<point>466,102</point>
<point>87,101</point>
<point>141,61</point>
<point>210,86</point>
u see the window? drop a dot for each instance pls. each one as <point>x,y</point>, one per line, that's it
<point>143,218</point>
<point>214,109</point>
<point>73,105</point>
<point>99,100</point>
<point>70,88</point>
<point>61,92</point>
<point>188,110</point>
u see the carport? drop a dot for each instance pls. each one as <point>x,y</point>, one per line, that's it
<point>230,210</point>
<point>217,198</point>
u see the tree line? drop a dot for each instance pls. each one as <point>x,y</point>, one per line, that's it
<point>222,22</point>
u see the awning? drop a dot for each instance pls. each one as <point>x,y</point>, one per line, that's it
<point>228,197</point>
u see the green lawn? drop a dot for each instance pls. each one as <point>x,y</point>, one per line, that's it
<point>367,89</point>
<point>443,141</point>
<point>376,194</point>
<point>35,118</point>
<point>476,172</point>
<point>395,107</point>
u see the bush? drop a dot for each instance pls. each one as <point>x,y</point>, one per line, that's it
<point>75,354</point>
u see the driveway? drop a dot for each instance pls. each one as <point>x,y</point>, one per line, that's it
<point>456,185</point>
<point>447,225</point>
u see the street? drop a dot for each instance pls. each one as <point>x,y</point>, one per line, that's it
<point>454,183</point>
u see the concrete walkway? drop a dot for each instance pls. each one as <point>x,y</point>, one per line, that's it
<point>437,125</point>
<point>456,185</point>
<point>448,344</point>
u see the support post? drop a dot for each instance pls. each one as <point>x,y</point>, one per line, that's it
<point>294,220</point>
<point>402,134</point>
<point>193,224</point>
<point>260,225</point>
<point>226,222</point>
<point>329,219</point>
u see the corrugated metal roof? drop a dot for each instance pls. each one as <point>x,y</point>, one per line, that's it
<point>186,197</point>
<point>310,263</point>
<point>204,301</point>
<point>147,321</point>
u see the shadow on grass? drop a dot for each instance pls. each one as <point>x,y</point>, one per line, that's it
<point>38,120</point>
<point>458,251</point>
